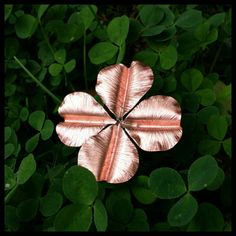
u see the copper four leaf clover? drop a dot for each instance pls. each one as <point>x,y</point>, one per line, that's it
<point>107,150</point>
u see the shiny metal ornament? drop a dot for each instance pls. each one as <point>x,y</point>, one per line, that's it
<point>107,151</point>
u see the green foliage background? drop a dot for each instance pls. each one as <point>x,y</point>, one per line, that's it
<point>187,188</point>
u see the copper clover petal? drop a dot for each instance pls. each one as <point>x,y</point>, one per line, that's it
<point>83,118</point>
<point>154,123</point>
<point>110,155</point>
<point>121,88</point>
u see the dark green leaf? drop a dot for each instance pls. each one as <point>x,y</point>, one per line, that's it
<point>10,218</point>
<point>24,113</point>
<point>55,69</point>
<point>70,65</point>
<point>209,146</point>
<point>147,57</point>
<point>170,84</point>
<point>218,181</point>
<point>79,185</point>
<point>153,30</point>
<point>139,222</point>
<point>7,133</point>
<point>27,209</point>
<point>202,172</point>
<point>100,216</point>
<point>191,79</point>
<point>208,219</point>
<point>182,212</point>
<point>50,204</point>
<point>102,52</point>
<point>207,96</point>
<point>216,19</point>
<point>205,113</point>
<point>25,26</point>
<point>9,178</point>
<point>141,190</point>
<point>8,150</point>
<point>151,15</point>
<point>9,90</point>
<point>167,183</point>
<point>32,143</point>
<point>36,119</point>
<point>201,32</point>
<point>73,218</point>
<point>47,130</point>
<point>87,15</point>
<point>227,145</point>
<point>168,57</point>
<point>60,56</point>
<point>7,11</point>
<point>117,30</point>
<point>217,127</point>
<point>41,10</point>
<point>26,169</point>
<point>189,19</point>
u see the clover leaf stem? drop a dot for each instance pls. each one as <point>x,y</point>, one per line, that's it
<point>55,98</point>
<point>10,194</point>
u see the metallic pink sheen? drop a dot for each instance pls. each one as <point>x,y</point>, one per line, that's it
<point>107,151</point>
<point>121,88</point>
<point>110,155</point>
<point>83,118</point>
<point>154,123</point>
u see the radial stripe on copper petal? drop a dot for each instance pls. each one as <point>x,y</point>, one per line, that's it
<point>121,88</point>
<point>83,118</point>
<point>154,123</point>
<point>110,155</point>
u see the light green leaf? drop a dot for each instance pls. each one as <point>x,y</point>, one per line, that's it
<point>47,130</point>
<point>168,57</point>
<point>25,26</point>
<point>32,143</point>
<point>79,185</point>
<point>36,119</point>
<point>55,69</point>
<point>60,56</point>
<point>141,190</point>
<point>50,203</point>
<point>26,169</point>
<point>207,96</point>
<point>102,52</point>
<point>100,216</point>
<point>202,172</point>
<point>9,178</point>
<point>189,19</point>
<point>182,212</point>
<point>216,19</point>
<point>27,209</point>
<point>70,65</point>
<point>117,30</point>
<point>218,181</point>
<point>191,79</point>
<point>217,127</point>
<point>167,183</point>
<point>73,218</point>
<point>227,145</point>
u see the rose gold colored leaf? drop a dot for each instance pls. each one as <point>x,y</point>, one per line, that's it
<point>83,118</point>
<point>110,155</point>
<point>121,88</point>
<point>154,123</point>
